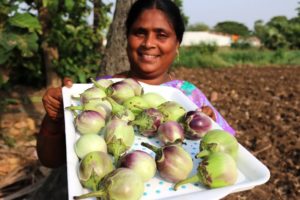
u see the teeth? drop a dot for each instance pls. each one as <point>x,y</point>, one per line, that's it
<point>149,56</point>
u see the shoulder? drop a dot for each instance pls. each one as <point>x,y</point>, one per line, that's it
<point>185,86</point>
<point>190,90</point>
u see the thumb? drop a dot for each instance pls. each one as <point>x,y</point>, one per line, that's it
<point>67,82</point>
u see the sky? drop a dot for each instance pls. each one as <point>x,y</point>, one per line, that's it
<point>247,12</point>
<point>210,12</point>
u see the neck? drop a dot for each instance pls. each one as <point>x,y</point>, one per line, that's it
<point>149,80</point>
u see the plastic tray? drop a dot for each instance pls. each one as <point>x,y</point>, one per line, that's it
<point>251,172</point>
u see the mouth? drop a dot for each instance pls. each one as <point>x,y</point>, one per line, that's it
<point>148,57</point>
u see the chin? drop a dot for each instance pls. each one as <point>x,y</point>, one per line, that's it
<point>149,68</point>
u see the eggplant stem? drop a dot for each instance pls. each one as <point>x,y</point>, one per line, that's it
<point>99,193</point>
<point>202,153</point>
<point>117,148</point>
<point>116,108</point>
<point>151,147</point>
<point>74,108</point>
<point>75,98</point>
<point>97,84</point>
<point>193,179</point>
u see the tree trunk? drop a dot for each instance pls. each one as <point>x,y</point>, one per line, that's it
<point>96,23</point>
<point>115,58</point>
<point>49,53</point>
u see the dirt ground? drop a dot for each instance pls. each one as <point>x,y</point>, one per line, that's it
<point>262,104</point>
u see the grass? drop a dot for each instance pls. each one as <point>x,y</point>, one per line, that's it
<point>205,56</point>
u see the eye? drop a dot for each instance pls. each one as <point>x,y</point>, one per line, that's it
<point>162,35</point>
<point>139,32</point>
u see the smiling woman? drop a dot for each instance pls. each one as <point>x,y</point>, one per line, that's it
<point>154,33</point>
<point>152,47</point>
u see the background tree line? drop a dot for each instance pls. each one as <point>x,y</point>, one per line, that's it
<point>42,41</point>
<point>279,32</point>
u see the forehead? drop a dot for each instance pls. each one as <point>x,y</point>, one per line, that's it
<point>153,18</point>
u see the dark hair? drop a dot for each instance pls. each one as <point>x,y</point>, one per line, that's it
<point>166,6</point>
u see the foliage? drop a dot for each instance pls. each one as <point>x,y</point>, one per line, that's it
<point>279,32</point>
<point>198,27</point>
<point>200,55</point>
<point>241,44</point>
<point>23,36</point>
<point>233,28</point>
<point>19,35</point>
<point>77,42</point>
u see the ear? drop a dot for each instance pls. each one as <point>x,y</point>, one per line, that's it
<point>177,47</point>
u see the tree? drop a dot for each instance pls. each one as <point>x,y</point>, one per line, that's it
<point>115,58</point>
<point>198,27</point>
<point>19,36</point>
<point>56,42</point>
<point>279,32</point>
<point>231,27</point>
<point>294,33</point>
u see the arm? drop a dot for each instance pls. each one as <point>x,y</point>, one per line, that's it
<point>51,147</point>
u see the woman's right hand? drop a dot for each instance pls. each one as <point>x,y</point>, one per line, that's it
<point>52,101</point>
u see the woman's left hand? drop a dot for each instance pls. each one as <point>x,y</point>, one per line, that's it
<point>208,111</point>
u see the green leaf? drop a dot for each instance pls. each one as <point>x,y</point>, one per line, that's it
<point>8,41</point>
<point>45,3</point>
<point>27,44</point>
<point>25,20</point>
<point>69,5</point>
<point>4,56</point>
<point>82,76</point>
<point>79,47</point>
<point>52,5</point>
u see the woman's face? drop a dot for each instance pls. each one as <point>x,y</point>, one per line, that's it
<point>152,45</point>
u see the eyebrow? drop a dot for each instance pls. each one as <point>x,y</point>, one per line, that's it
<point>157,30</point>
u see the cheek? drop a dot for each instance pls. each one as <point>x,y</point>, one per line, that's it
<point>170,48</point>
<point>170,51</point>
<point>132,46</point>
<point>132,43</point>
<point>129,50</point>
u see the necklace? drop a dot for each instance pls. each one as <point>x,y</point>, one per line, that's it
<point>170,77</point>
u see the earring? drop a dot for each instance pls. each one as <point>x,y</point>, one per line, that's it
<point>177,57</point>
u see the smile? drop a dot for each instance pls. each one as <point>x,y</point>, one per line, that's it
<point>148,57</point>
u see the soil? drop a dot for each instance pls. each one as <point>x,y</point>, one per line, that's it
<point>261,104</point>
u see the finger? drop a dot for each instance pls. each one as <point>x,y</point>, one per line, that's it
<point>54,112</point>
<point>52,101</point>
<point>52,108</point>
<point>68,82</point>
<point>209,111</point>
<point>54,92</point>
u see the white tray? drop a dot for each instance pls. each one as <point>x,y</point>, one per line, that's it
<point>251,172</point>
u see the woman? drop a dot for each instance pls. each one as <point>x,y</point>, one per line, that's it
<point>154,33</point>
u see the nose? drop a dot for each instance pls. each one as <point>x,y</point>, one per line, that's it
<point>149,41</point>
